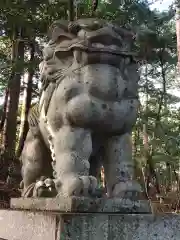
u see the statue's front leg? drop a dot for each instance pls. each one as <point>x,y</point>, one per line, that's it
<point>119,167</point>
<point>72,148</point>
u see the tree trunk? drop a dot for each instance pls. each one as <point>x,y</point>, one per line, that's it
<point>26,104</point>
<point>178,31</point>
<point>149,167</point>
<point>71,10</point>
<point>145,173</point>
<point>14,92</point>
<point>145,168</point>
<point>164,96</point>
<point>3,118</point>
<point>177,179</point>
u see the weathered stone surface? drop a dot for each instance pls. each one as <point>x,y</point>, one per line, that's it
<point>88,107</point>
<point>25,225</point>
<point>20,225</point>
<point>123,227</point>
<point>77,204</point>
<point>141,227</point>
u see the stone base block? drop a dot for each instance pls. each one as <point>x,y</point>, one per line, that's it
<point>82,204</point>
<point>27,225</point>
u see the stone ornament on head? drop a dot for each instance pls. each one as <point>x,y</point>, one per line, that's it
<point>87,109</point>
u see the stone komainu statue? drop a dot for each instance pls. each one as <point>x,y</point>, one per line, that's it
<point>87,109</point>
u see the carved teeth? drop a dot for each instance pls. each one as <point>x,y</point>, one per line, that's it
<point>105,47</point>
<point>98,45</point>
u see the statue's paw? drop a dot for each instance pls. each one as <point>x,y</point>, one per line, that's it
<point>69,186</point>
<point>76,186</point>
<point>89,185</point>
<point>45,187</point>
<point>129,189</point>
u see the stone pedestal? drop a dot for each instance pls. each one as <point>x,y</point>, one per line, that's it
<point>50,219</point>
<point>81,205</point>
<point>85,219</point>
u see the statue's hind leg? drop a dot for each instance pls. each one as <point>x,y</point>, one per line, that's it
<point>119,167</point>
<point>72,148</point>
<point>36,161</point>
